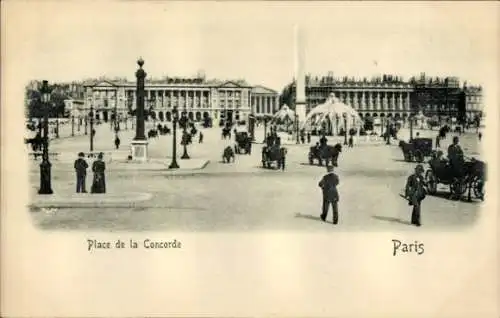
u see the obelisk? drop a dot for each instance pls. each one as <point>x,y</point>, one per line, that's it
<point>300,89</point>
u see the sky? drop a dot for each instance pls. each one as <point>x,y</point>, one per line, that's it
<point>64,41</point>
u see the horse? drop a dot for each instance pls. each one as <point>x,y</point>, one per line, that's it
<point>274,153</point>
<point>226,132</point>
<point>228,154</point>
<point>326,152</point>
<point>152,133</point>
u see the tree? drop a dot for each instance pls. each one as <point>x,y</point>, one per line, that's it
<point>288,96</point>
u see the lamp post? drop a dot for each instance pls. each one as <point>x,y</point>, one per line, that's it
<point>45,166</point>
<point>173,164</point>
<point>185,155</point>
<point>91,114</point>
<point>345,128</point>
<point>411,127</point>
<point>86,123</point>
<point>336,124</point>
<point>297,127</point>
<point>388,142</point>
<point>72,125</point>
<point>57,125</point>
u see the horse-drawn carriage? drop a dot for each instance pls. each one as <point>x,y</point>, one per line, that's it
<point>471,176</point>
<point>325,152</point>
<point>243,142</point>
<point>417,149</point>
<point>274,153</point>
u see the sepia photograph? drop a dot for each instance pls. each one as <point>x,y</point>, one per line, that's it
<point>250,118</point>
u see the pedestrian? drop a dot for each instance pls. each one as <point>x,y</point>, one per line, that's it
<point>81,173</point>
<point>480,135</point>
<point>456,156</point>
<point>200,138</point>
<point>308,137</point>
<point>117,142</point>
<point>328,185</point>
<point>415,193</point>
<point>99,182</point>
<point>438,139</point>
<point>351,142</point>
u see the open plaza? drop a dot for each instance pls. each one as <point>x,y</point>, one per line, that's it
<point>205,194</point>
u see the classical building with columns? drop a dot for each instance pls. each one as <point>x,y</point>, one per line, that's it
<point>264,101</point>
<point>380,97</point>
<point>198,97</point>
<point>391,96</point>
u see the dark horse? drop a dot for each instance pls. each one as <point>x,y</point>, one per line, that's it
<point>228,154</point>
<point>36,143</point>
<point>226,132</point>
<point>153,133</point>
<point>272,154</point>
<point>326,152</point>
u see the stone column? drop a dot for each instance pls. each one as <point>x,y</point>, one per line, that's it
<point>140,144</point>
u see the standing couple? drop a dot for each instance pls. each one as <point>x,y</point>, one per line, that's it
<point>98,167</point>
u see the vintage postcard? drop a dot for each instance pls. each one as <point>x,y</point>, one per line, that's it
<point>288,159</point>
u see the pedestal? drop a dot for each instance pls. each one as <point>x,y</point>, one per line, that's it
<point>139,149</point>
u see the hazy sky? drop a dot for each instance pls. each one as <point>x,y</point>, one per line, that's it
<point>66,41</point>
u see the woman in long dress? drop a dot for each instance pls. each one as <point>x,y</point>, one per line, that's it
<point>99,182</point>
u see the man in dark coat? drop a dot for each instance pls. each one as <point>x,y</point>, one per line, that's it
<point>456,157</point>
<point>81,173</point>
<point>323,140</point>
<point>200,138</point>
<point>415,193</point>
<point>117,142</point>
<point>329,184</point>
<point>308,137</point>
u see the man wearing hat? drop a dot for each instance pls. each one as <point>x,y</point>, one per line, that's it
<point>81,173</point>
<point>456,157</point>
<point>415,192</point>
<point>329,184</point>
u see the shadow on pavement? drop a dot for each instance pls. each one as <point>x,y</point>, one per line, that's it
<point>391,219</point>
<point>309,217</point>
<point>447,196</point>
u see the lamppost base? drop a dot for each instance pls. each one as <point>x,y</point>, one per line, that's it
<point>45,178</point>
<point>185,155</point>
<point>173,165</point>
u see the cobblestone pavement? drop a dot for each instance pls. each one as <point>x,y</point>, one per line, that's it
<point>243,196</point>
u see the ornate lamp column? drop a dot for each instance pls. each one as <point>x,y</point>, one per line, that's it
<point>45,166</point>
<point>91,126</point>
<point>175,118</point>
<point>140,144</point>
<point>72,125</point>
<point>185,155</point>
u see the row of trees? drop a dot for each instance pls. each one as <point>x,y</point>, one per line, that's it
<point>35,107</point>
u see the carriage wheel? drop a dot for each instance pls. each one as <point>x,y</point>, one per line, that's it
<point>478,188</point>
<point>458,187</point>
<point>419,156</point>
<point>431,181</point>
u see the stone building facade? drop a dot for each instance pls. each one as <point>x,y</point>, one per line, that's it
<point>197,97</point>
<point>264,101</point>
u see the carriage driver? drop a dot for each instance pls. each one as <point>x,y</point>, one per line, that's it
<point>456,157</point>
